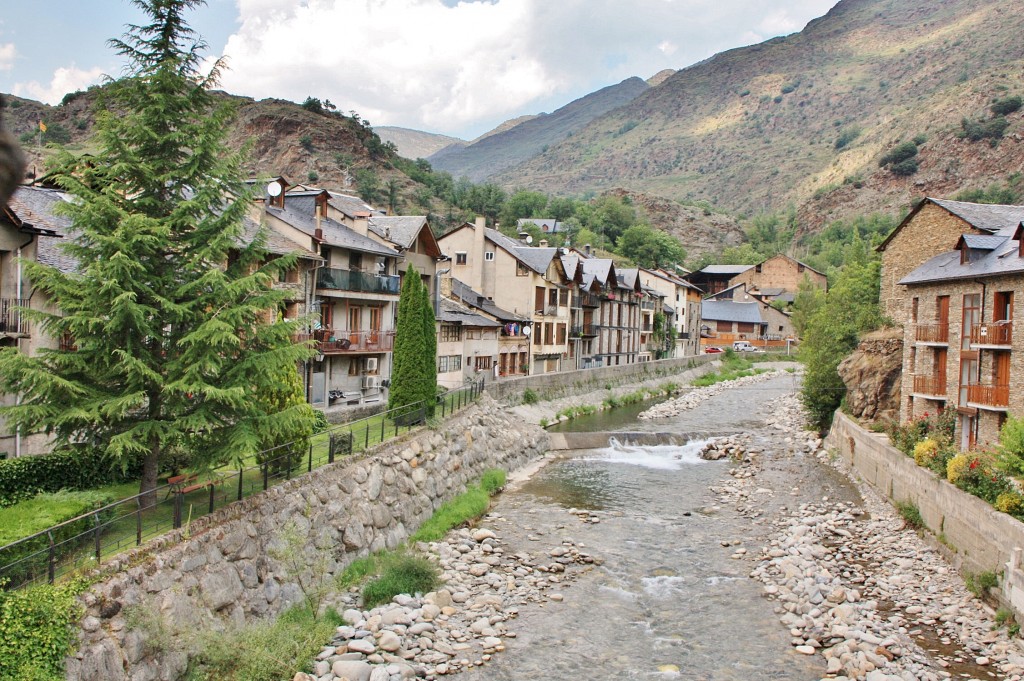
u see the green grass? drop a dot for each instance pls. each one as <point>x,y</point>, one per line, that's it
<point>472,503</point>
<point>978,583</point>
<point>401,574</point>
<point>263,651</point>
<point>911,515</point>
<point>46,510</point>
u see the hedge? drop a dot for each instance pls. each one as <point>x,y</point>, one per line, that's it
<point>26,476</point>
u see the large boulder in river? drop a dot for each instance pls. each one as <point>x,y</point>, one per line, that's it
<point>872,376</point>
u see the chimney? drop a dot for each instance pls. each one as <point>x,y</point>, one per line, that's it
<point>543,243</point>
<point>477,254</point>
<point>586,250</point>
<point>361,223</point>
<point>277,200</point>
<point>446,285</point>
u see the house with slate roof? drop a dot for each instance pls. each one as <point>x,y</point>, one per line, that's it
<point>960,286</point>
<point>742,317</point>
<point>681,303</point>
<point>354,292</point>
<point>467,344</point>
<point>513,358</point>
<point>525,280</point>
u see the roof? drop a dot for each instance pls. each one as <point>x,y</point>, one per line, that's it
<point>401,230</point>
<point>669,277</point>
<point>481,302</point>
<point>987,217</point>
<point>982,242</point>
<point>730,311</point>
<point>724,269</point>
<point>1003,259</point>
<point>273,242</point>
<point>452,312</point>
<point>545,224</point>
<point>334,232</point>
<point>33,208</point>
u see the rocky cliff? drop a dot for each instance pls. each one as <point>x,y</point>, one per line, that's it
<point>872,376</point>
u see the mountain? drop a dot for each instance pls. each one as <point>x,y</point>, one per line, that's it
<point>415,143</point>
<point>499,151</point>
<point>804,120</point>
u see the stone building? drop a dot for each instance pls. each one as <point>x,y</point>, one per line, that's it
<point>958,309</point>
<point>777,276</point>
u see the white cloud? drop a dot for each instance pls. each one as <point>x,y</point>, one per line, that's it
<point>7,54</point>
<point>65,80</point>
<point>450,65</point>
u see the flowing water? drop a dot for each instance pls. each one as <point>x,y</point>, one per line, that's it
<point>668,601</point>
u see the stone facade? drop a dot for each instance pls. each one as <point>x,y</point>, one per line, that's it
<point>779,271</point>
<point>923,353</point>
<point>227,568</point>
<point>925,233</point>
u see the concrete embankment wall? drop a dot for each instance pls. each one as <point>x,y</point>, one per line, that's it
<point>981,537</point>
<point>566,383</point>
<point>243,563</point>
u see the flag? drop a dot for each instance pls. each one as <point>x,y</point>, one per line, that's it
<point>42,126</point>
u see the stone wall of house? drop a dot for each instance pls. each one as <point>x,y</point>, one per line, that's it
<point>920,358</point>
<point>228,568</point>
<point>980,538</point>
<point>932,231</point>
<point>778,272</point>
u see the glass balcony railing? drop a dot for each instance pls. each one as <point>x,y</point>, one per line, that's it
<point>350,280</point>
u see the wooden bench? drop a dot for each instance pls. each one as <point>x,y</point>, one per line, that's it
<point>177,484</point>
<point>411,418</point>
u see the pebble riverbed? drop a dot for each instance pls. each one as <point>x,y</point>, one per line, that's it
<point>852,588</point>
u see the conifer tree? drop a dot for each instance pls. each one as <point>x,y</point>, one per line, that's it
<point>409,344</point>
<point>428,365</point>
<point>174,318</point>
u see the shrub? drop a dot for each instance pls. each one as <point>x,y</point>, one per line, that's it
<point>1007,105</point>
<point>976,474</point>
<point>905,168</point>
<point>846,136</point>
<point>1010,502</point>
<point>405,574</point>
<point>979,583</point>
<point>925,451</point>
<point>313,176</point>
<point>530,396</point>
<point>899,154</point>
<point>980,129</point>
<point>26,476</point>
<point>1010,454</point>
<point>306,142</point>
<point>36,630</point>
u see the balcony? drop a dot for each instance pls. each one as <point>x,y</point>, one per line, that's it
<point>930,385</point>
<point>10,316</point>
<point>995,397</point>
<point>590,330</point>
<point>350,280</point>
<point>996,334</point>
<point>647,305</point>
<point>936,334</point>
<point>590,300</point>
<point>336,342</point>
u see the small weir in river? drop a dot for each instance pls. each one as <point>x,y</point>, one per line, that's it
<point>668,601</point>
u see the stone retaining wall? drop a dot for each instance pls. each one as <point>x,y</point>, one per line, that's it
<point>228,568</point>
<point>981,537</point>
<point>565,383</point>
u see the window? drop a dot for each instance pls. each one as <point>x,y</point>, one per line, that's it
<point>549,329</point>
<point>451,333</point>
<point>460,258</point>
<point>355,261</point>
<point>538,300</point>
<point>482,363</point>
<point>972,317</point>
<point>800,267</point>
<point>522,270</point>
<point>553,297</point>
<point>560,336</point>
<point>489,256</point>
<point>447,363</point>
<point>563,297</point>
<point>757,268</point>
<point>913,310</point>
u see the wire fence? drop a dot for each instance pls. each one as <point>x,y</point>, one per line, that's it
<point>87,540</point>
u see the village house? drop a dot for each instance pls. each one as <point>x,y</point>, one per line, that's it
<point>682,303</point>
<point>777,278</point>
<point>738,315</point>
<point>957,308</point>
<point>513,341</point>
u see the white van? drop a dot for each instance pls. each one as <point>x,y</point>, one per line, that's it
<point>743,346</point>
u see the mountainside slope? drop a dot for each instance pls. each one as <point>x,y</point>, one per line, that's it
<point>499,151</point>
<point>759,128</point>
<point>415,143</point>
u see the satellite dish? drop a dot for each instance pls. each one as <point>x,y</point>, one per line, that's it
<point>274,188</point>
<point>529,239</point>
<point>527,331</point>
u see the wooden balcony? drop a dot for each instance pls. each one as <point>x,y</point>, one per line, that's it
<point>10,315</point>
<point>988,396</point>
<point>995,333</point>
<point>932,333</point>
<point>590,299</point>
<point>336,342</point>
<point>930,385</point>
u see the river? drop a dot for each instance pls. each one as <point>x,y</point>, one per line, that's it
<point>668,600</point>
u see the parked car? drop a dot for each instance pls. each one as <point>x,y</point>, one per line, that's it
<point>745,346</point>
<point>711,350</point>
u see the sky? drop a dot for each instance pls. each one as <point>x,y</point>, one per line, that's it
<point>455,67</point>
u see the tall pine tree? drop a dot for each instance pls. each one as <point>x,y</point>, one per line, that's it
<point>174,319</point>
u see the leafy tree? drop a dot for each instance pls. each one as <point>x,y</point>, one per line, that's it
<point>1008,193</point>
<point>1007,105</point>
<point>393,195</point>
<point>523,204</point>
<point>174,345</point>
<point>367,185</point>
<point>850,308</point>
<point>808,299</point>
<point>648,247</point>
<point>313,105</point>
<point>414,373</point>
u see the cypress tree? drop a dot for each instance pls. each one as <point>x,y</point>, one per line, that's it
<point>172,316</point>
<point>406,386</point>
<point>428,365</point>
